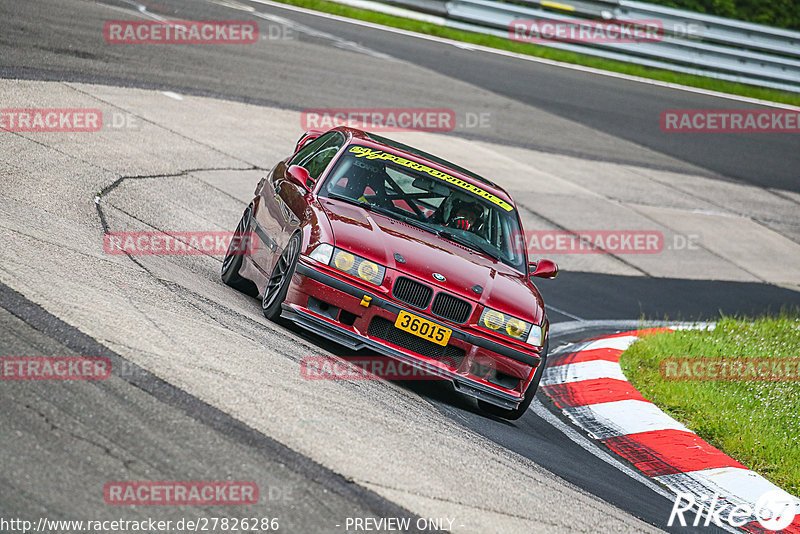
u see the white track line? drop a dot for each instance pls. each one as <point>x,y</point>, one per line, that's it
<point>733,485</point>
<point>743,483</point>
<point>564,313</point>
<point>626,417</point>
<point>580,371</point>
<point>339,42</point>
<point>619,343</point>
<point>540,410</point>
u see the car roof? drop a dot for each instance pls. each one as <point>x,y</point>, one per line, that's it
<point>380,142</point>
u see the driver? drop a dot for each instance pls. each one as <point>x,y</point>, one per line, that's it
<point>464,215</point>
<point>372,182</point>
<point>360,180</point>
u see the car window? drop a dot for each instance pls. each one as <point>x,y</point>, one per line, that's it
<point>316,156</point>
<point>419,194</point>
<point>307,150</point>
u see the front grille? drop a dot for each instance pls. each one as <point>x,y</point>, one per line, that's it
<point>451,308</point>
<point>385,329</point>
<point>412,292</point>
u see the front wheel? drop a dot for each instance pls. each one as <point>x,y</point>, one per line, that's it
<point>279,280</point>
<point>234,257</point>
<point>530,393</point>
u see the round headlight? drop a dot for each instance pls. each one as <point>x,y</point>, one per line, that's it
<point>494,319</point>
<point>368,271</point>
<point>344,261</point>
<point>515,327</point>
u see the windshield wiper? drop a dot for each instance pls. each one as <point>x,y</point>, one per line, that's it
<point>441,232</point>
<point>467,243</point>
<point>432,229</point>
<point>362,204</point>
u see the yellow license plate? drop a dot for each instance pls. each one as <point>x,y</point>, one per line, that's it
<point>423,328</point>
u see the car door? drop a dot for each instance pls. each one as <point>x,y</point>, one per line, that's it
<point>283,204</point>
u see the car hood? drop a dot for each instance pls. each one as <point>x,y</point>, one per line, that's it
<point>378,238</point>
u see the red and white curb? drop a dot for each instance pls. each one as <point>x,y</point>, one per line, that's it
<point>588,385</point>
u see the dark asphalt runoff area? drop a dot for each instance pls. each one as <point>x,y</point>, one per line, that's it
<point>63,441</point>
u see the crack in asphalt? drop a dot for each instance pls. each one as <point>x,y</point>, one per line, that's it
<point>196,300</point>
<point>54,427</point>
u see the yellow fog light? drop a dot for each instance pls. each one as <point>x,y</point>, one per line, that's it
<point>344,261</point>
<point>368,271</point>
<point>353,265</point>
<point>493,319</point>
<point>515,327</point>
<point>508,325</point>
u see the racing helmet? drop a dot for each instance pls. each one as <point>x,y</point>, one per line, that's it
<point>462,212</point>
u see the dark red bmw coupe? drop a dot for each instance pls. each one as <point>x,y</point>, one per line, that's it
<point>375,244</point>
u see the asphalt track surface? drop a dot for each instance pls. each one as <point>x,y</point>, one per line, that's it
<point>305,71</point>
<point>58,41</point>
<point>81,429</point>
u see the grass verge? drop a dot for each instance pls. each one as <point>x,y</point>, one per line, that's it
<point>491,41</point>
<point>755,422</point>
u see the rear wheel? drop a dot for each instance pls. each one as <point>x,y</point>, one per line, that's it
<point>530,393</point>
<point>279,280</point>
<point>234,257</point>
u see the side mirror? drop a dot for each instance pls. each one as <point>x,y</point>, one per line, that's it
<point>299,175</point>
<point>305,139</point>
<point>543,269</point>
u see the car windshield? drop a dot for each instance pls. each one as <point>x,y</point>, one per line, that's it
<point>431,199</point>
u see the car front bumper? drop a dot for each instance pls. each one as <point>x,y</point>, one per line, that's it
<point>310,282</point>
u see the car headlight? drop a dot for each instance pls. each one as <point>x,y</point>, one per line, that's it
<point>535,336</point>
<point>511,326</point>
<point>357,266</point>
<point>322,253</point>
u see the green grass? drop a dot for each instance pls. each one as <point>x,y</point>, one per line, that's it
<point>755,422</point>
<point>550,53</point>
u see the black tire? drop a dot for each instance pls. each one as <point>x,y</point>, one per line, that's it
<point>530,393</point>
<point>279,280</point>
<point>233,261</point>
